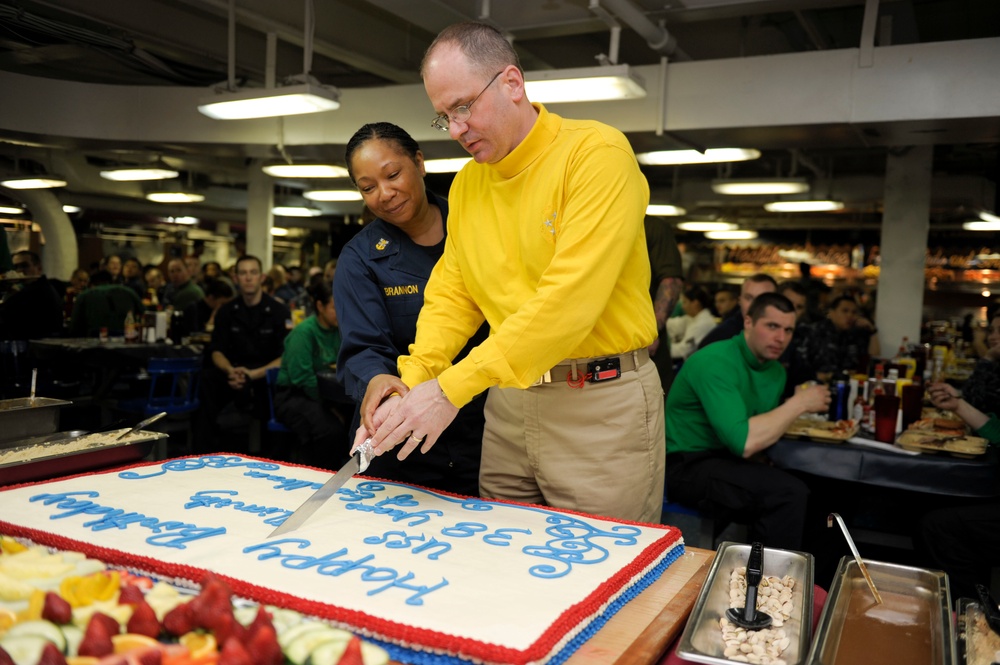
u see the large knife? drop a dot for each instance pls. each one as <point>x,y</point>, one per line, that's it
<point>359,462</point>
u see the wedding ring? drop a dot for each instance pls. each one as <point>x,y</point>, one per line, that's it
<point>420,440</point>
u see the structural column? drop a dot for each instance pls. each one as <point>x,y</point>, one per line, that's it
<point>260,219</point>
<point>905,226</point>
<point>60,254</point>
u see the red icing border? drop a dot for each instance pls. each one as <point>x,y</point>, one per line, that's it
<point>390,631</point>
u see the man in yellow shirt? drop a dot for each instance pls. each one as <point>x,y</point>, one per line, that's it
<point>546,243</point>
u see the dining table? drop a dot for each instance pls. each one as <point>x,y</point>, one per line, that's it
<point>885,465</point>
<point>111,359</point>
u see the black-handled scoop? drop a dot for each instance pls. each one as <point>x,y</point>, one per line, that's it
<point>747,616</point>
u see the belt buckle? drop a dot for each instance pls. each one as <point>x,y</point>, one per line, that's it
<point>544,378</point>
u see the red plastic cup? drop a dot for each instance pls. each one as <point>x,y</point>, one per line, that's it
<point>886,413</point>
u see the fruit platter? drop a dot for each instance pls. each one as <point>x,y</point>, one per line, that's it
<point>62,608</point>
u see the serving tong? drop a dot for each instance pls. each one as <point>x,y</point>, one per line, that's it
<point>749,616</point>
<point>854,550</point>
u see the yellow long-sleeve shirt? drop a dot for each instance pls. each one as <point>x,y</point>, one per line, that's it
<point>548,245</point>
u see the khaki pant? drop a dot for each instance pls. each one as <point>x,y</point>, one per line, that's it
<point>598,449</point>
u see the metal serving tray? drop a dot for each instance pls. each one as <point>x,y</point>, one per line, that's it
<point>912,625</point>
<point>23,417</point>
<point>702,637</point>
<point>51,458</point>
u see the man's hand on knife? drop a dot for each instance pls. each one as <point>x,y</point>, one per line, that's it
<point>417,419</point>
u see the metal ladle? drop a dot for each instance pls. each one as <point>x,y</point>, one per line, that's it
<point>854,550</point>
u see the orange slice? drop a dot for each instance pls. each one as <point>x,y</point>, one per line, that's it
<point>7,619</point>
<point>82,660</point>
<point>199,644</point>
<point>129,641</point>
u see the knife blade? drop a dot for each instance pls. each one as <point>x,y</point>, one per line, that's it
<point>359,462</point>
<point>141,424</point>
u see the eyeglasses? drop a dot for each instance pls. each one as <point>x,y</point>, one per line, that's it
<point>460,113</point>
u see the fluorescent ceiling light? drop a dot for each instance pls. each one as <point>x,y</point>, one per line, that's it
<point>137,173</point>
<point>71,209</point>
<point>174,197</point>
<point>452,165</point>
<point>583,84</point>
<point>803,206</point>
<point>664,210</point>
<point>333,195</point>
<point>989,217</point>
<point>305,171</point>
<point>296,211</point>
<point>10,210</point>
<point>756,186</point>
<point>731,235</point>
<point>982,226</point>
<point>33,182</point>
<point>270,102</point>
<point>183,219</point>
<point>707,226</point>
<point>279,231</point>
<point>710,156</point>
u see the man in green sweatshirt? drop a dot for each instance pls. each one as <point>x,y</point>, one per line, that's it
<point>722,410</point>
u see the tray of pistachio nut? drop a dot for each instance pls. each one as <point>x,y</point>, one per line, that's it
<point>60,607</point>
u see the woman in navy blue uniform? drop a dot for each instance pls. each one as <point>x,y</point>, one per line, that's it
<point>378,292</point>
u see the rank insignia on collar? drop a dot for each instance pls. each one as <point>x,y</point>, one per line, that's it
<point>381,244</point>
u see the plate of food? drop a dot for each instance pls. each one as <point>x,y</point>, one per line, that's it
<point>940,419</point>
<point>957,443</point>
<point>828,431</point>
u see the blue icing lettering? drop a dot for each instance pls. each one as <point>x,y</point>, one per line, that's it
<point>464,529</point>
<point>410,519</point>
<point>177,535</point>
<point>502,537</point>
<point>335,564</point>
<point>195,463</point>
<point>573,544</point>
<point>207,499</point>
<point>405,541</point>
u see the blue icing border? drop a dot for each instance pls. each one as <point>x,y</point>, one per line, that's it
<point>416,657</point>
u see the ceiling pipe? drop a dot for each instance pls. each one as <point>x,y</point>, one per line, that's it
<point>656,36</point>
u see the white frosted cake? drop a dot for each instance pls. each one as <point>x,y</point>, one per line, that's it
<point>435,578</point>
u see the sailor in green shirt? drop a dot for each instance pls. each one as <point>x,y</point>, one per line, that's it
<point>310,347</point>
<point>724,408</point>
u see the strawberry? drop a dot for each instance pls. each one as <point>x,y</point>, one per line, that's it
<point>97,638</point>
<point>234,653</point>
<point>352,655</point>
<point>150,656</point>
<point>143,621</point>
<point>213,603</point>
<point>178,620</point>
<point>129,594</point>
<point>51,655</point>
<point>225,626</point>
<point>109,622</point>
<point>56,609</point>
<point>263,644</point>
<point>263,618</point>
<point>5,658</point>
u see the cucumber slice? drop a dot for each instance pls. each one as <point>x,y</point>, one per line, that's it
<point>245,614</point>
<point>372,654</point>
<point>40,628</point>
<point>295,632</point>
<point>328,653</point>
<point>23,649</point>
<point>73,637</point>
<point>298,650</point>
